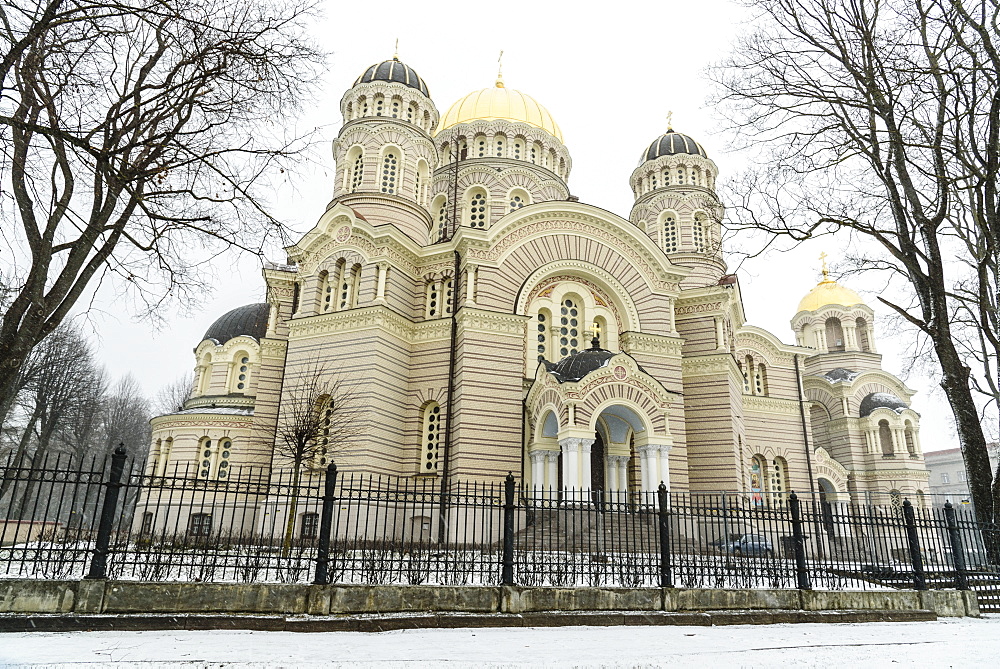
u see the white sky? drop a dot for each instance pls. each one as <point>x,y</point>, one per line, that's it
<point>608,74</point>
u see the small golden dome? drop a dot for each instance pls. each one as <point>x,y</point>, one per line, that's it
<point>501,103</point>
<point>829,292</point>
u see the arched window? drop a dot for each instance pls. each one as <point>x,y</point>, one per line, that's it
<point>433,299</point>
<point>477,209</point>
<point>441,209</point>
<point>427,121</point>
<point>779,480</point>
<point>562,167</point>
<point>411,113</point>
<point>390,166</point>
<point>499,142</point>
<point>240,376</point>
<point>536,152</point>
<point>518,198</point>
<point>395,108</point>
<point>544,322</point>
<point>671,240</point>
<point>758,479</point>
<point>224,453</point>
<point>516,149</point>
<point>480,147</point>
<point>379,105</point>
<point>357,170</point>
<point>861,326</point>
<point>747,372</point>
<point>205,374</point>
<point>680,176</point>
<point>362,106</point>
<point>699,233</point>
<point>652,181</point>
<point>921,503</point>
<point>693,177</point>
<point>349,281</point>
<point>760,379</point>
<point>325,292</point>
<point>600,330</point>
<point>885,438</point>
<point>834,334</point>
<point>422,182</point>
<point>431,438</point>
<point>570,317</point>
<point>896,501</point>
<point>666,177</point>
<point>206,456</point>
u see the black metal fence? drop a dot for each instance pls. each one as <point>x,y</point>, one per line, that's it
<point>62,519</point>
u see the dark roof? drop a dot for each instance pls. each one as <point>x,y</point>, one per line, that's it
<point>879,401</point>
<point>672,143</point>
<point>249,320</point>
<point>394,70</point>
<point>841,374</point>
<point>577,365</point>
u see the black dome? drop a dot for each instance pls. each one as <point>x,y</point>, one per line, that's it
<point>879,401</point>
<point>672,143</point>
<point>576,366</point>
<point>394,70</point>
<point>249,320</point>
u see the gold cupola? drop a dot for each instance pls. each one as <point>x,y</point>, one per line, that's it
<point>828,292</point>
<point>500,103</point>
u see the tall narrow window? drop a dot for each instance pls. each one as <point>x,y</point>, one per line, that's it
<point>477,210</point>
<point>433,299</point>
<point>680,176</point>
<point>779,480</point>
<point>357,172</point>
<point>325,291</point>
<point>911,445</point>
<point>862,329</point>
<point>389,166</point>
<point>834,334</point>
<point>533,154</point>
<point>543,333</point>
<point>411,113</point>
<point>760,380</point>
<point>225,451</point>
<point>363,106</point>
<point>516,150</point>
<point>446,296</point>
<point>570,317</point>
<point>666,177</point>
<point>698,234</point>
<point>481,147</point>
<point>885,439</point>
<point>442,220</point>
<point>206,453</point>
<point>394,111</point>
<point>205,374</point>
<point>499,146</point>
<point>670,239</point>
<point>431,438</point>
<point>379,105</point>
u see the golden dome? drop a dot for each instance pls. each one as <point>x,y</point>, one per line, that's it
<point>500,103</point>
<point>829,292</point>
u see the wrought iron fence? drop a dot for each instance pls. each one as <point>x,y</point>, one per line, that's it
<point>61,519</point>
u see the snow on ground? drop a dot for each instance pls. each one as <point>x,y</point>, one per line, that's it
<point>949,642</point>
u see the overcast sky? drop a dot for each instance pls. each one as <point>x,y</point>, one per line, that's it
<point>608,73</point>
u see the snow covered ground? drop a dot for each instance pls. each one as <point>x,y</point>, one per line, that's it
<point>950,642</point>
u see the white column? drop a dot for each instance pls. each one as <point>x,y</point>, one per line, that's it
<point>570,447</point>
<point>383,271</point>
<point>470,284</point>
<point>586,475</point>
<point>623,473</point>
<point>664,465</point>
<point>648,462</point>
<point>898,441</point>
<point>537,458</point>
<point>720,337</point>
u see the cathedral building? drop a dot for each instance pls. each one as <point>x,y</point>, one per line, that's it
<point>485,321</point>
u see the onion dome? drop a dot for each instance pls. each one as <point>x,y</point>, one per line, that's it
<point>880,401</point>
<point>829,292</point>
<point>394,70</point>
<point>500,103</point>
<point>672,143</point>
<point>245,321</point>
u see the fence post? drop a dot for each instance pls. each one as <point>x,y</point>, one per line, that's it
<point>99,560</point>
<point>666,578</point>
<point>507,573</point>
<point>322,576</point>
<point>916,559</point>
<point>799,544</point>
<point>957,550</point>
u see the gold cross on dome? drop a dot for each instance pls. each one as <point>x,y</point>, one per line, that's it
<point>670,122</point>
<point>826,272</point>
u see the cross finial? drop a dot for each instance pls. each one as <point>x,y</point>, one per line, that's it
<point>395,55</point>
<point>500,70</point>
<point>826,272</point>
<point>670,122</point>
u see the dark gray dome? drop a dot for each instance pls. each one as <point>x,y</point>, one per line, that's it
<point>394,70</point>
<point>249,320</point>
<point>841,374</point>
<point>879,401</point>
<point>576,366</point>
<point>672,143</point>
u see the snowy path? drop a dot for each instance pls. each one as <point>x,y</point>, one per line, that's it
<point>948,642</point>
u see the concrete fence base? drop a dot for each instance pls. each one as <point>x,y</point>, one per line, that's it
<point>124,597</point>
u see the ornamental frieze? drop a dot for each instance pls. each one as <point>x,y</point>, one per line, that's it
<point>704,307</point>
<point>775,405</point>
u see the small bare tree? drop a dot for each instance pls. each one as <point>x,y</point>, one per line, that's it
<point>172,396</point>
<point>318,416</point>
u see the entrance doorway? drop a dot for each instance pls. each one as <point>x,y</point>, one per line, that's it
<point>597,471</point>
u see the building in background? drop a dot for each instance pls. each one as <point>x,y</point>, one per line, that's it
<point>585,351</point>
<point>948,479</point>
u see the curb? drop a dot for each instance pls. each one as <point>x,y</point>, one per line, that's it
<point>375,623</point>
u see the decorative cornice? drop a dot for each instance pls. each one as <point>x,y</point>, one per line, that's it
<point>641,342</point>
<point>685,307</point>
<point>207,420</point>
<point>720,363</point>
<point>773,405</point>
<point>492,322</point>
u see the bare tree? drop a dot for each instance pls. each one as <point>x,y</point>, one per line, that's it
<point>137,138</point>
<point>172,396</point>
<point>880,117</point>
<point>318,416</point>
